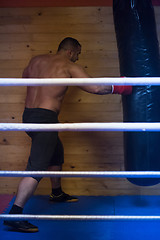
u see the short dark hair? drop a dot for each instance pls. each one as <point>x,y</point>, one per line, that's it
<point>69,43</point>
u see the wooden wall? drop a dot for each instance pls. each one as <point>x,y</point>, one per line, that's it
<point>26,32</point>
<point>61,3</point>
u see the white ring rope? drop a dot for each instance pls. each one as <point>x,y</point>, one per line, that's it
<point>91,174</point>
<point>117,126</point>
<point>78,217</point>
<point>79,81</point>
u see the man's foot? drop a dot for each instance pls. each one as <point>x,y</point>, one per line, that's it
<point>23,226</point>
<point>63,197</point>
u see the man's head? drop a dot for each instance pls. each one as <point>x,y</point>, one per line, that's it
<point>72,46</point>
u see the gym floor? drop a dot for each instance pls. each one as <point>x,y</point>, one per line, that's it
<point>88,230</point>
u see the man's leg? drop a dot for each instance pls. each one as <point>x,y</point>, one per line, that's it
<point>57,194</point>
<point>55,181</point>
<point>25,190</point>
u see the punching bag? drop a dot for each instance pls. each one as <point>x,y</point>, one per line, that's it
<point>138,50</point>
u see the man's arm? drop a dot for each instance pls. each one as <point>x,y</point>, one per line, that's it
<point>79,72</point>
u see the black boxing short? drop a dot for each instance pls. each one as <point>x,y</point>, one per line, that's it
<point>46,147</point>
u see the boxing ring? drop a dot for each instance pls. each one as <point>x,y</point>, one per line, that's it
<point>81,127</point>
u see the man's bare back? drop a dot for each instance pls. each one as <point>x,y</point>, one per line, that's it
<point>47,66</point>
<point>60,65</point>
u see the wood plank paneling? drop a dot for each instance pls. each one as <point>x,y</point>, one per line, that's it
<point>26,32</point>
<point>50,3</point>
<point>60,3</point>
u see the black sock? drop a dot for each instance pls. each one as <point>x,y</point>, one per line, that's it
<point>16,210</point>
<point>57,191</point>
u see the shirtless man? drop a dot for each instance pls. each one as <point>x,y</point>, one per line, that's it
<point>42,105</point>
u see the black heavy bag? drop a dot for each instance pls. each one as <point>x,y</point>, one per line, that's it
<point>139,57</point>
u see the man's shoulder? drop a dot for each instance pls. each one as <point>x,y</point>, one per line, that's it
<point>42,56</point>
<point>77,71</point>
<point>75,66</point>
<point>45,58</point>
